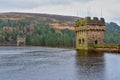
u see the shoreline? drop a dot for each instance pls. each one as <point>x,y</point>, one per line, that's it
<point>115,50</point>
<point>37,46</point>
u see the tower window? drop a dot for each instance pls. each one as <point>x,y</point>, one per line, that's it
<point>83,41</point>
<point>96,42</point>
<point>79,41</point>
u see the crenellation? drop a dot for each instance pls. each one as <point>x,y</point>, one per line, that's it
<point>89,21</point>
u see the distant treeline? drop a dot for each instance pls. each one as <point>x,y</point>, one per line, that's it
<point>13,23</point>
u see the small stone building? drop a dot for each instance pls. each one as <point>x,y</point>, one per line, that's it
<point>20,41</point>
<point>89,32</point>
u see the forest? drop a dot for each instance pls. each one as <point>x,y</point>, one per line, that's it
<point>43,34</point>
<point>112,33</point>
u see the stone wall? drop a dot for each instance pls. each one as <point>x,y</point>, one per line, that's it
<point>20,41</point>
<point>89,32</point>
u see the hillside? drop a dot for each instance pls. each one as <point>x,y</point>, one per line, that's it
<point>112,34</point>
<point>40,18</point>
<point>38,29</point>
<point>46,29</point>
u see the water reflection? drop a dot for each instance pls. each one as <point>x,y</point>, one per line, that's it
<point>90,65</point>
<point>38,63</point>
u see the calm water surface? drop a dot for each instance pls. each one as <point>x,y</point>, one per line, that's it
<point>38,63</point>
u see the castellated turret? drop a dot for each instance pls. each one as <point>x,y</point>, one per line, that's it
<point>89,32</point>
<point>88,21</point>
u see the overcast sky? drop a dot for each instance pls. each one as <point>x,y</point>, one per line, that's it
<point>109,9</point>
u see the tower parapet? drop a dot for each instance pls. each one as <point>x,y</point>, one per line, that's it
<point>88,21</point>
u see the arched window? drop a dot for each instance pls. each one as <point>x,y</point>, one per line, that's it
<point>79,41</point>
<point>83,41</point>
<point>96,41</point>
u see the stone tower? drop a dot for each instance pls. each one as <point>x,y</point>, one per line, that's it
<point>89,32</point>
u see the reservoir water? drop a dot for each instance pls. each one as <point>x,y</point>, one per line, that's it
<point>39,63</point>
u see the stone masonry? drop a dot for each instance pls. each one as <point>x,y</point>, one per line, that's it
<point>89,32</point>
